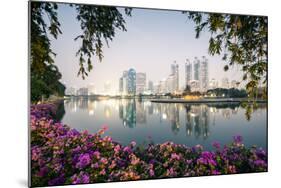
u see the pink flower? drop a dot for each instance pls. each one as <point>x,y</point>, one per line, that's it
<point>105,127</point>
<point>117,148</point>
<point>133,143</point>
<point>102,172</point>
<point>175,156</point>
<point>151,172</point>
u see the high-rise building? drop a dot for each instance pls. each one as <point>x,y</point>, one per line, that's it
<point>188,72</point>
<point>225,83</point>
<point>123,83</point>
<point>170,82</point>
<point>213,84</point>
<point>196,65</point>
<point>175,73</point>
<point>194,85</point>
<point>131,82</point>
<point>82,91</point>
<point>150,86</point>
<point>107,87</point>
<point>91,89</point>
<point>204,73</point>
<point>70,91</point>
<point>163,86</point>
<point>140,82</point>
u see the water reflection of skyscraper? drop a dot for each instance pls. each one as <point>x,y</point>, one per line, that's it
<point>83,103</point>
<point>168,112</point>
<point>140,113</point>
<point>127,112</point>
<point>174,118</point>
<point>197,121</point>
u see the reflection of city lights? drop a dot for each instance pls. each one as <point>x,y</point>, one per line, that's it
<point>91,112</point>
<point>164,116</point>
<point>107,113</point>
<point>193,114</point>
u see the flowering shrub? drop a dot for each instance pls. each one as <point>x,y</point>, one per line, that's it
<point>61,155</point>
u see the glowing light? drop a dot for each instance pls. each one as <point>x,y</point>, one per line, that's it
<point>91,112</point>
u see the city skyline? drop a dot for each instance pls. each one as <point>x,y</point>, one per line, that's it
<point>132,82</point>
<point>149,52</point>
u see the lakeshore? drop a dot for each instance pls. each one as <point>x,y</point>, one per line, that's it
<point>208,100</point>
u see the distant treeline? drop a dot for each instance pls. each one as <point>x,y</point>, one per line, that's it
<point>232,92</point>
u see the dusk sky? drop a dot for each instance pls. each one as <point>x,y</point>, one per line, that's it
<point>154,39</point>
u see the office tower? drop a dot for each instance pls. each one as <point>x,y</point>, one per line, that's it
<point>196,65</point>
<point>107,87</point>
<point>225,83</point>
<point>91,89</point>
<point>188,72</point>
<point>170,83</point>
<point>121,85</point>
<point>194,85</point>
<point>204,73</point>
<point>70,91</point>
<point>140,82</point>
<point>82,91</point>
<point>175,73</point>
<point>131,82</point>
<point>150,86</point>
<point>213,84</point>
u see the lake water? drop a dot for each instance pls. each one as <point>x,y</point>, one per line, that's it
<point>143,121</point>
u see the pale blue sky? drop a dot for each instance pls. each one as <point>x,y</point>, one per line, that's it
<point>154,39</point>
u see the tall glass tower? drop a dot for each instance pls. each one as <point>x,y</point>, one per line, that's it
<point>188,72</point>
<point>204,74</point>
<point>131,82</point>
<point>196,65</point>
<point>175,73</point>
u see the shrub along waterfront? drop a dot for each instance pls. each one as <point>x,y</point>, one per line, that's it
<point>61,155</point>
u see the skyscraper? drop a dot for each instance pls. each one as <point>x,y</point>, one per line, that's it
<point>107,87</point>
<point>188,72</point>
<point>91,89</point>
<point>204,73</point>
<point>131,82</point>
<point>140,82</point>
<point>196,65</point>
<point>123,83</point>
<point>150,86</point>
<point>175,73</point>
<point>213,84</point>
<point>225,83</point>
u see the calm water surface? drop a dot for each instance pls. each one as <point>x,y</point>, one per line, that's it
<point>143,121</point>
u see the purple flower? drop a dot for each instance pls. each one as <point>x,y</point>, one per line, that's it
<point>57,181</point>
<point>237,139</point>
<point>82,177</point>
<point>133,143</point>
<point>260,163</point>
<point>85,178</point>
<point>216,145</point>
<point>127,149</point>
<point>83,160</point>
<point>215,172</point>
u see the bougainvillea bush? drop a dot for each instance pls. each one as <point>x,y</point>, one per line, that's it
<point>61,155</point>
